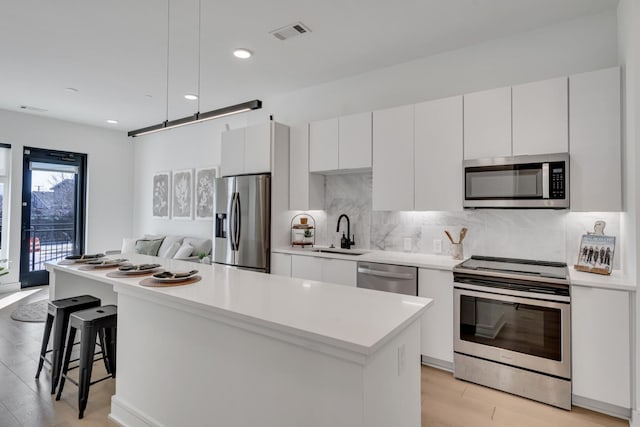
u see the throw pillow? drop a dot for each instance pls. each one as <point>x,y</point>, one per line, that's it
<point>128,246</point>
<point>199,245</point>
<point>185,251</point>
<point>172,251</point>
<point>167,244</point>
<point>148,247</point>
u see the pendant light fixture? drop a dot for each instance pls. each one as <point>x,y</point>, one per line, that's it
<point>198,116</point>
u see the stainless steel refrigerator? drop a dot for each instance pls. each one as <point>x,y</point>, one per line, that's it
<point>242,221</point>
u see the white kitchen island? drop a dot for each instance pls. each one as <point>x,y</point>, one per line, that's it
<point>248,349</point>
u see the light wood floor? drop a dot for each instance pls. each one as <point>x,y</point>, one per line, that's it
<point>446,402</point>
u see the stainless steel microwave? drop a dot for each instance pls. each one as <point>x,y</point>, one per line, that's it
<point>540,181</point>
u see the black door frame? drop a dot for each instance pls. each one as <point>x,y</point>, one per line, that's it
<point>32,154</point>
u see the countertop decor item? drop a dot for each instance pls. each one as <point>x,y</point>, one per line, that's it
<point>456,250</point>
<point>596,251</point>
<point>303,233</point>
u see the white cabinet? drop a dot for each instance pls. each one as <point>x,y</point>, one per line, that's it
<point>487,123</point>
<point>594,120</point>
<point>306,191</point>
<point>340,144</point>
<point>306,267</point>
<point>232,152</point>
<point>246,150</point>
<point>540,117</point>
<point>354,138</point>
<point>281,264</point>
<point>600,345</point>
<point>393,159</point>
<point>437,322</point>
<point>323,145</point>
<point>338,271</point>
<point>257,148</point>
<point>438,155</point>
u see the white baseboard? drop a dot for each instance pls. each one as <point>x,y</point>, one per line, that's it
<point>9,287</point>
<point>602,407</point>
<point>126,415</point>
<point>437,363</point>
<point>635,419</point>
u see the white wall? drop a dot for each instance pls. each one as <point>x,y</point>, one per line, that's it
<point>188,147</point>
<point>583,44</point>
<point>109,177</point>
<point>629,56</point>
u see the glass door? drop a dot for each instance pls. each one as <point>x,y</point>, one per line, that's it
<point>53,206</point>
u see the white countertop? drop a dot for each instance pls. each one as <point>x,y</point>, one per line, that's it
<point>616,281</point>
<point>434,262</point>
<point>352,319</point>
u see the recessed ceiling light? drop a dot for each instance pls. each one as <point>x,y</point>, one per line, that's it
<point>112,122</point>
<point>242,53</point>
<point>191,97</point>
<point>72,89</point>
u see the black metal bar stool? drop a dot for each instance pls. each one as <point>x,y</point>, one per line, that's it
<point>58,312</point>
<point>94,322</point>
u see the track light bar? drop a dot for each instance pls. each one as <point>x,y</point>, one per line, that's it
<point>198,117</point>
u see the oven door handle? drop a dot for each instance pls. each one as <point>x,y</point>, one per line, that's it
<point>534,300</point>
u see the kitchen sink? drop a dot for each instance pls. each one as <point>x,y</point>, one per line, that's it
<point>340,251</point>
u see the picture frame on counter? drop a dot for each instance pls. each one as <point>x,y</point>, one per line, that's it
<point>596,254</point>
<point>204,192</point>
<point>161,199</point>
<point>182,200</point>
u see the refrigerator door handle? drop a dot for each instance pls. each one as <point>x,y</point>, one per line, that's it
<point>238,221</point>
<point>232,221</point>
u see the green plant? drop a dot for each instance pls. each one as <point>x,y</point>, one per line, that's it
<point>201,255</point>
<point>307,233</point>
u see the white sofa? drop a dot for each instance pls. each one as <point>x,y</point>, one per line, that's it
<point>171,246</point>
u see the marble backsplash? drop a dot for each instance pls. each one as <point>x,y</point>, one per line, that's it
<point>532,233</point>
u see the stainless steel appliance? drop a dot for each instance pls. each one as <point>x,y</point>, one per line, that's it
<point>540,181</point>
<point>386,277</point>
<point>242,214</point>
<point>512,327</point>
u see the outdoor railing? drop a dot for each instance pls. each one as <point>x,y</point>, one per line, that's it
<point>49,242</point>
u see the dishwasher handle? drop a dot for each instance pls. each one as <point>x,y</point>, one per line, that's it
<point>387,274</point>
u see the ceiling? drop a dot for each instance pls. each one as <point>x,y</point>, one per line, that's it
<point>115,52</point>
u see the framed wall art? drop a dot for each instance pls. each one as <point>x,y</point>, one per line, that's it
<point>161,208</point>
<point>204,192</point>
<point>182,204</point>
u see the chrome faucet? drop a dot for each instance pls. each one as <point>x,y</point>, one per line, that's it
<point>345,241</point>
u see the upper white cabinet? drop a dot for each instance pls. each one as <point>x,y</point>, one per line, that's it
<point>600,345</point>
<point>393,159</point>
<point>246,150</point>
<point>437,321</point>
<point>487,123</point>
<point>323,151</point>
<point>306,191</point>
<point>354,136</point>
<point>540,117</point>
<point>340,144</point>
<point>438,155</point>
<point>594,120</point>
<point>232,152</point>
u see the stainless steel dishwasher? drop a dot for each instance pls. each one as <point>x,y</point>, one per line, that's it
<point>386,277</point>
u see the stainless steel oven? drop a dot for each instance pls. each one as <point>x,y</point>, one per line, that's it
<point>513,327</point>
<point>540,181</point>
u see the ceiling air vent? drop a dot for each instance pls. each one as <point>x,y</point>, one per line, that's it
<point>289,31</point>
<point>36,109</point>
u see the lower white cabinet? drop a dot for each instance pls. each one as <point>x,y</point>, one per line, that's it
<point>281,264</point>
<point>600,345</point>
<point>437,322</point>
<point>329,270</point>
